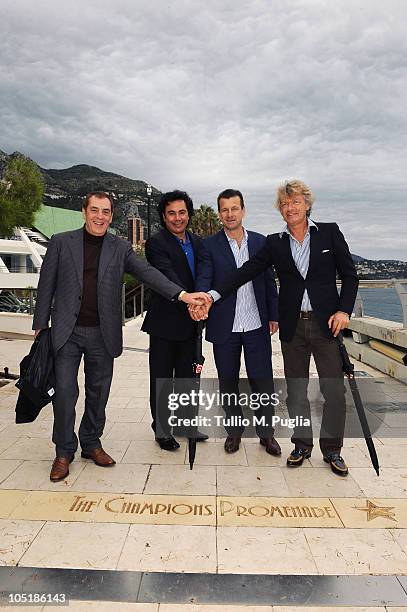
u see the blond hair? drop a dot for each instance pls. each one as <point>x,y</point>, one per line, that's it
<point>292,188</point>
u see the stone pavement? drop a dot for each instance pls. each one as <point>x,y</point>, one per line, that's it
<point>240,514</point>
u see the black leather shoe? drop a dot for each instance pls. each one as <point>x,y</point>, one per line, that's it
<point>272,446</point>
<point>201,436</point>
<point>168,444</point>
<point>338,466</point>
<point>297,456</point>
<point>232,444</point>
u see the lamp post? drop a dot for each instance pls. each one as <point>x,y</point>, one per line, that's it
<point>149,191</point>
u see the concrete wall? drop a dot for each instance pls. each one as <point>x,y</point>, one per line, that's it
<point>390,332</point>
<point>387,331</point>
<point>19,280</point>
<point>16,325</point>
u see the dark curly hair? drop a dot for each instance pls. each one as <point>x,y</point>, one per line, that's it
<point>173,196</point>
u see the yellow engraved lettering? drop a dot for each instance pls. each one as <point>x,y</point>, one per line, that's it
<point>160,508</point>
<point>73,508</point>
<point>306,511</point>
<point>225,507</point>
<point>258,511</point>
<point>317,512</point>
<point>147,507</point>
<point>328,511</point>
<point>176,510</point>
<point>286,511</point>
<point>89,506</point>
<point>110,501</point>
<point>277,509</point>
<point>241,511</point>
<point>208,509</point>
<point>198,510</point>
<point>81,507</point>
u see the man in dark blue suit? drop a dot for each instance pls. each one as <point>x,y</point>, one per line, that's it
<point>307,257</point>
<point>243,320</point>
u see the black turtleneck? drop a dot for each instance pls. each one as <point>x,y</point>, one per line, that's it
<point>92,246</point>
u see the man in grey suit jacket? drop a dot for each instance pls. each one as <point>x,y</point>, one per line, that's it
<point>82,275</point>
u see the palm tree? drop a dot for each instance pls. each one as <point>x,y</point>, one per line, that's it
<point>205,221</point>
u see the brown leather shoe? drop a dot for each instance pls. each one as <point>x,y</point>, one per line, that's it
<point>99,456</point>
<point>60,468</point>
<point>272,446</point>
<point>232,444</point>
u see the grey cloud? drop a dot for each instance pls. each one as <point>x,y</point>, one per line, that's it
<point>203,95</point>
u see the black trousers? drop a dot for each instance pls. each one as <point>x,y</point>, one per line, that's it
<point>86,342</point>
<point>171,371</point>
<point>309,339</point>
<point>256,346</point>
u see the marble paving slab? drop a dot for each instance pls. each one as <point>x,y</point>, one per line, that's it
<point>206,510</point>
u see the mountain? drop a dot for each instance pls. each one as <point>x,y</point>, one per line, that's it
<point>66,188</point>
<point>358,259</point>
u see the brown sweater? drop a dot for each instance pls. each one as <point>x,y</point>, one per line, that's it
<point>88,314</point>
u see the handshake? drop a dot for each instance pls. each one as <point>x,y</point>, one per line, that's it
<point>199,304</point>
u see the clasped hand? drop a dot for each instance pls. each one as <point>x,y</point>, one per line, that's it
<point>200,313</point>
<point>198,304</point>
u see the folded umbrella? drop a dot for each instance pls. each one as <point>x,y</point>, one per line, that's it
<point>196,371</point>
<point>348,369</point>
<point>37,380</point>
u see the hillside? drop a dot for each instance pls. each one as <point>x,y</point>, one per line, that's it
<point>66,188</point>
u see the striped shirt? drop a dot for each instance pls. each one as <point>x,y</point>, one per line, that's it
<point>301,252</point>
<point>247,316</point>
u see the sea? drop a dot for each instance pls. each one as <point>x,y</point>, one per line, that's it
<point>381,302</point>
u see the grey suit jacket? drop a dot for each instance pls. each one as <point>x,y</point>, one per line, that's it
<point>61,280</point>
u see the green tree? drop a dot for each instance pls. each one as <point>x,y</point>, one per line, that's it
<point>205,221</point>
<point>21,194</point>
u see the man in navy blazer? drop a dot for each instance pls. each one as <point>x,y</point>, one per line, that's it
<point>243,320</point>
<point>173,251</point>
<point>307,257</point>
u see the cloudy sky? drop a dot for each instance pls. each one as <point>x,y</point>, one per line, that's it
<point>203,95</point>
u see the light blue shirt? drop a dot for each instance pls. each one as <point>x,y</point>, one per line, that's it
<point>247,317</point>
<point>301,252</point>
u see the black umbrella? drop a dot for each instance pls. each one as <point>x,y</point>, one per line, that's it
<point>196,371</point>
<point>37,379</point>
<point>349,368</point>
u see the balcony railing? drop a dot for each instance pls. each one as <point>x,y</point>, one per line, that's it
<point>18,300</point>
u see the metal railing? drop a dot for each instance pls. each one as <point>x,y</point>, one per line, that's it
<point>23,301</point>
<point>133,301</point>
<point>18,300</point>
<point>28,269</point>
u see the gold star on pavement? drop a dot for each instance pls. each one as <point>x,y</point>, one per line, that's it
<point>373,511</point>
